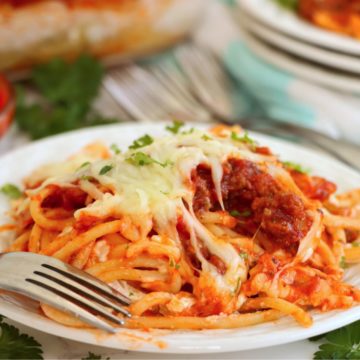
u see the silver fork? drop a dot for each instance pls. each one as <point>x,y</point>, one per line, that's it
<point>64,287</point>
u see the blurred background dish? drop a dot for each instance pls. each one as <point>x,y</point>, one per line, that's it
<point>306,51</point>
<point>110,29</point>
<point>288,22</point>
<point>7,105</point>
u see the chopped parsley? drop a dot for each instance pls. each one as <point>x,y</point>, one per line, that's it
<point>131,293</point>
<point>355,244</point>
<point>244,255</point>
<point>296,167</point>
<point>86,178</point>
<point>288,4</point>
<point>177,266</point>
<point>188,132</point>
<point>115,149</point>
<point>105,169</point>
<point>171,263</point>
<point>141,142</point>
<point>86,163</point>
<point>141,159</point>
<point>206,137</point>
<point>245,139</point>
<point>11,191</point>
<point>342,263</point>
<point>14,345</point>
<point>343,343</point>
<point>245,213</point>
<point>175,127</point>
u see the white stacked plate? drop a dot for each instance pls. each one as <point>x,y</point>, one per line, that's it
<point>283,39</point>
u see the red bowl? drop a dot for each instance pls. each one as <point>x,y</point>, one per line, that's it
<point>7,105</point>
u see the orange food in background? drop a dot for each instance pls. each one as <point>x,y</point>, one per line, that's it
<point>341,16</point>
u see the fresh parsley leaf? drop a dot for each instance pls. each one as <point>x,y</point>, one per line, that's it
<point>92,356</point>
<point>244,255</point>
<point>342,343</point>
<point>141,142</point>
<point>67,92</point>
<point>206,137</point>
<point>246,139</point>
<point>177,266</point>
<point>14,345</point>
<point>141,159</point>
<point>188,132</point>
<point>86,163</point>
<point>288,4</point>
<point>11,191</point>
<point>343,264</point>
<point>175,127</point>
<point>296,167</point>
<point>355,244</point>
<point>87,178</point>
<point>115,149</point>
<point>245,213</point>
<point>105,169</point>
<point>171,263</point>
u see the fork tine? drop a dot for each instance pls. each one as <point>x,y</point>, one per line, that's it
<point>77,300</point>
<point>91,282</point>
<point>84,291</point>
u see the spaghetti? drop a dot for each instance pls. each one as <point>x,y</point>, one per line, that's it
<point>201,230</point>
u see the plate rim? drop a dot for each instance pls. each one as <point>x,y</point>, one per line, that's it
<point>299,29</point>
<point>301,68</point>
<point>306,51</point>
<point>177,345</point>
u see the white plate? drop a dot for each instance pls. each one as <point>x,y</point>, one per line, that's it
<point>271,14</point>
<point>337,80</point>
<point>304,50</point>
<point>16,165</point>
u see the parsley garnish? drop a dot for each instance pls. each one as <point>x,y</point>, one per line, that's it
<point>67,91</point>
<point>244,255</point>
<point>206,137</point>
<point>245,213</point>
<point>141,142</point>
<point>141,159</point>
<point>86,178</point>
<point>14,345</point>
<point>175,127</point>
<point>342,343</point>
<point>115,149</point>
<point>11,191</point>
<point>177,266</point>
<point>188,132</point>
<point>246,139</point>
<point>86,163</point>
<point>355,244</point>
<point>92,356</point>
<point>171,263</point>
<point>296,167</point>
<point>131,293</point>
<point>288,4</point>
<point>343,262</point>
<point>105,169</point>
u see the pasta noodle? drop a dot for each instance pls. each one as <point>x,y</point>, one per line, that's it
<point>200,230</point>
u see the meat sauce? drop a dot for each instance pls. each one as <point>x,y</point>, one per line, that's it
<point>314,187</point>
<point>281,215</point>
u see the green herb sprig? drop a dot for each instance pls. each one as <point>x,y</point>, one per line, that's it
<point>175,127</point>
<point>67,92</point>
<point>141,159</point>
<point>11,191</point>
<point>296,167</point>
<point>141,142</point>
<point>339,344</point>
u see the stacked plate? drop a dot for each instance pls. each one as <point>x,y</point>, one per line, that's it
<point>283,39</point>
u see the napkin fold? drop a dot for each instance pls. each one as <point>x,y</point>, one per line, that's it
<point>275,93</point>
